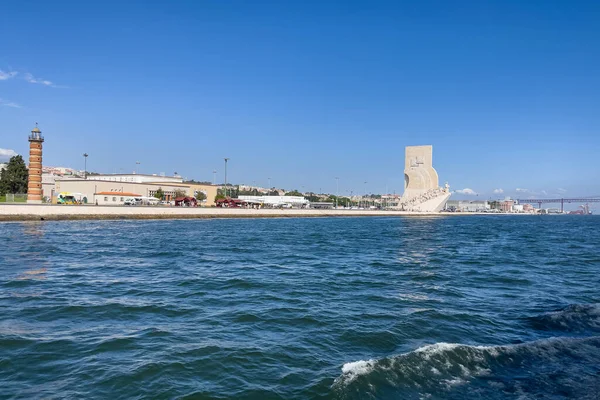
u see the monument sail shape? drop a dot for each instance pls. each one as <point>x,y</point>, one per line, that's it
<point>421,183</point>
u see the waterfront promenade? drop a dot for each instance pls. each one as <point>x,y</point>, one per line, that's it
<point>25,212</point>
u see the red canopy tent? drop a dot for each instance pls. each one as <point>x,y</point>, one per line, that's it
<point>231,203</point>
<point>186,202</point>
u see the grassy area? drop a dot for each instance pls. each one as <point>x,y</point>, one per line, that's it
<point>19,198</point>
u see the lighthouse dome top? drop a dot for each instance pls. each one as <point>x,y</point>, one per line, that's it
<point>36,135</point>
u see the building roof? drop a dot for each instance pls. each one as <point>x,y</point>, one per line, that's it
<point>148,175</point>
<point>119,194</point>
<point>36,130</point>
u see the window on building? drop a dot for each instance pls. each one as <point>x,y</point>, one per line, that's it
<point>106,199</point>
<point>114,199</point>
<point>121,199</point>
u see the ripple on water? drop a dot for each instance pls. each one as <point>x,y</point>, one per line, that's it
<point>462,307</point>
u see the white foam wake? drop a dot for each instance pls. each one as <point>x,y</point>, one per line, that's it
<point>353,369</point>
<point>443,365</point>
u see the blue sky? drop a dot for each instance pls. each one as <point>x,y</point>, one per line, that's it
<point>507,92</point>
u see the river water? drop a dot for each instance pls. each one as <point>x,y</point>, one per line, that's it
<point>479,307</point>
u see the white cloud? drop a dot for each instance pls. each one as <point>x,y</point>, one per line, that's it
<point>561,190</point>
<point>498,191</point>
<point>544,192</point>
<point>9,104</point>
<point>31,79</point>
<point>467,191</point>
<point>7,153</point>
<point>520,190</point>
<point>28,78</point>
<point>7,75</point>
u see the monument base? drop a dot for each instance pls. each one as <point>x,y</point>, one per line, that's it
<point>34,201</point>
<point>431,201</point>
<point>432,205</point>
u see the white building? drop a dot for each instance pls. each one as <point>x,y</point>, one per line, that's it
<point>2,166</point>
<point>468,205</point>
<point>123,198</point>
<point>135,178</point>
<point>61,171</point>
<point>257,188</point>
<point>48,185</point>
<point>278,201</point>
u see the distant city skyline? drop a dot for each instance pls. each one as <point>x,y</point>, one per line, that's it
<point>297,94</point>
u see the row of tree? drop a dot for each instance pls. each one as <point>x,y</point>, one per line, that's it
<point>234,192</point>
<point>160,194</point>
<point>14,178</point>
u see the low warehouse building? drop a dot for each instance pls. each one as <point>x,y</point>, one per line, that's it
<point>113,198</point>
<point>97,190</point>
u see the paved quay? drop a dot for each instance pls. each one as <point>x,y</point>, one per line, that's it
<point>35,212</point>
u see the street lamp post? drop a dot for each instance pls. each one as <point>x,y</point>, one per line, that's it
<point>387,198</point>
<point>137,163</point>
<point>269,183</point>
<point>85,156</point>
<point>337,192</point>
<point>365,202</point>
<point>226,159</point>
<point>214,176</point>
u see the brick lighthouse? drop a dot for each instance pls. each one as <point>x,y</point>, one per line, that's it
<point>34,187</point>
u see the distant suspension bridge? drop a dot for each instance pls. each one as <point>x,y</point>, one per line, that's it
<point>593,199</point>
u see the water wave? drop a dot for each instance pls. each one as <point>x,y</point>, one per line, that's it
<point>573,318</point>
<point>556,366</point>
<point>141,309</point>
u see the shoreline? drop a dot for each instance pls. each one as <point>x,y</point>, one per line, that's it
<point>52,212</point>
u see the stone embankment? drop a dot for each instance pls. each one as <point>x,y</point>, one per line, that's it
<point>34,212</point>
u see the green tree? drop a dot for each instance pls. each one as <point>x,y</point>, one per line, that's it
<point>294,193</point>
<point>200,196</point>
<point>14,177</point>
<point>180,193</point>
<point>159,194</point>
<point>219,196</point>
<point>343,201</point>
<point>198,182</point>
<point>495,205</point>
<point>231,190</point>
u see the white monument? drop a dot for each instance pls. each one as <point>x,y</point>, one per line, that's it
<point>421,183</point>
